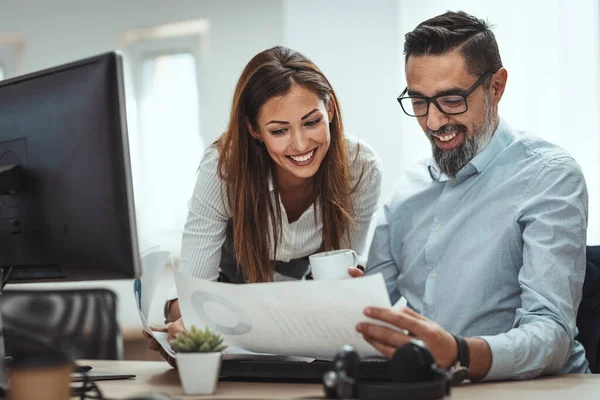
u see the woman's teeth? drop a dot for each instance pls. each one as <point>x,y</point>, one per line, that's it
<point>304,157</point>
<point>446,138</point>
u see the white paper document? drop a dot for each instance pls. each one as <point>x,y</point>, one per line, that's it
<point>295,318</point>
<point>153,265</point>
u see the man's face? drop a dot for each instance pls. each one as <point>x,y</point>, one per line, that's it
<point>455,139</point>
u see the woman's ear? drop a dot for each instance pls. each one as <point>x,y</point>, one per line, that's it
<point>331,110</point>
<point>254,134</point>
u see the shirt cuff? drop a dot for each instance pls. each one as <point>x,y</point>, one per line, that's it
<point>172,293</point>
<point>361,259</point>
<point>502,357</point>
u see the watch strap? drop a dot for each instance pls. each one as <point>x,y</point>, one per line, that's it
<point>464,354</point>
<point>166,311</point>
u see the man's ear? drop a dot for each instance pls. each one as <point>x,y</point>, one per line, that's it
<point>498,84</point>
<point>254,134</point>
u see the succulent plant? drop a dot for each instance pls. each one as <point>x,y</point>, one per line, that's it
<point>196,340</point>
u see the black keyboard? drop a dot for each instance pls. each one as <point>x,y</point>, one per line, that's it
<point>296,371</point>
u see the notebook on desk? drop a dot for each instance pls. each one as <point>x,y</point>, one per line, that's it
<point>99,376</point>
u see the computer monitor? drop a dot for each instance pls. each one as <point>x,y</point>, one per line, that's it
<point>66,204</point>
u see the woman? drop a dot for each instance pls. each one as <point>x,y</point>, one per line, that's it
<point>282,183</point>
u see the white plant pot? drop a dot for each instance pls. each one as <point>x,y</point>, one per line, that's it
<point>199,372</point>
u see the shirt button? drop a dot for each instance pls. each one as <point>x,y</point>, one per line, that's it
<point>433,274</point>
<point>437,227</point>
<point>453,181</point>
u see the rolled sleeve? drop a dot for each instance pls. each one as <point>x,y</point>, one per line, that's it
<point>553,221</point>
<point>172,293</point>
<point>502,356</point>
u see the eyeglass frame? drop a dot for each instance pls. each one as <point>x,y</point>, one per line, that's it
<point>433,99</point>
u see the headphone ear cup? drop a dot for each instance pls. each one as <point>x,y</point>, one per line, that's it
<point>346,360</point>
<point>411,362</point>
<point>340,382</point>
<point>330,385</point>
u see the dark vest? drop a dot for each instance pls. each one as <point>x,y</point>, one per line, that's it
<point>229,271</point>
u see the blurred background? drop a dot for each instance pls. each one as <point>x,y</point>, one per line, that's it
<point>183,58</point>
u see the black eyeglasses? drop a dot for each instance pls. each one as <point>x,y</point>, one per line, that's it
<point>451,104</point>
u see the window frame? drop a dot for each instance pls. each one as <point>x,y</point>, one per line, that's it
<point>11,55</point>
<point>181,37</point>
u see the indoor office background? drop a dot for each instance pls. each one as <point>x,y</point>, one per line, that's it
<point>183,58</point>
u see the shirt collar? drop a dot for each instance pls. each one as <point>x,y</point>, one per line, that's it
<point>435,172</point>
<point>501,138</point>
<point>499,141</point>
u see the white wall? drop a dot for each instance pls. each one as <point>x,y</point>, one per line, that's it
<point>355,44</point>
<point>60,31</point>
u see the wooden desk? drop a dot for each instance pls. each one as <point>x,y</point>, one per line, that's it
<point>158,376</point>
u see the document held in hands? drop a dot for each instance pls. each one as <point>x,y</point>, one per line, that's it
<point>153,264</point>
<point>293,318</point>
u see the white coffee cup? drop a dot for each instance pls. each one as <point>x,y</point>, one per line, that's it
<point>334,264</point>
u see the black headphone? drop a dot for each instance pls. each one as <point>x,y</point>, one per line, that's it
<point>413,372</point>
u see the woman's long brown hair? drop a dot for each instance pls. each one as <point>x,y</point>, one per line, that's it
<point>247,168</point>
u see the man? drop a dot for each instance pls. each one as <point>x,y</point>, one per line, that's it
<point>486,240</point>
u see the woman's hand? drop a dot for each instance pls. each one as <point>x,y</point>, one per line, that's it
<point>356,272</point>
<point>172,329</point>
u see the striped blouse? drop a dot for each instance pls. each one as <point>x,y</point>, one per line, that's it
<point>204,233</point>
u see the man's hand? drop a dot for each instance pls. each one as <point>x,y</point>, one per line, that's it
<point>355,272</point>
<point>172,329</point>
<point>440,342</point>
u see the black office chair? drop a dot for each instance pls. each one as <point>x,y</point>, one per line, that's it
<point>588,317</point>
<point>82,322</point>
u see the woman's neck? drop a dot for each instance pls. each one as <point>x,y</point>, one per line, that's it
<point>296,195</point>
<point>288,183</point>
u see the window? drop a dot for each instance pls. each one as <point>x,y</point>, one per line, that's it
<point>11,54</point>
<point>169,143</point>
<point>169,96</point>
<point>165,136</point>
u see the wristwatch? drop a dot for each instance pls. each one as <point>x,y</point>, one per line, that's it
<point>460,370</point>
<point>166,310</point>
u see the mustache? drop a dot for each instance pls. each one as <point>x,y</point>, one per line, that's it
<point>447,129</point>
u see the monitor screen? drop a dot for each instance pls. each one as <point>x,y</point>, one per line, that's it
<point>66,204</point>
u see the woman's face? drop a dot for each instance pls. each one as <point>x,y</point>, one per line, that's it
<point>295,130</point>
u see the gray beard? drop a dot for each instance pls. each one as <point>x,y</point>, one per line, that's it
<point>452,161</point>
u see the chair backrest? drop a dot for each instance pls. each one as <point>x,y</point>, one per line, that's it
<point>82,321</point>
<point>588,316</point>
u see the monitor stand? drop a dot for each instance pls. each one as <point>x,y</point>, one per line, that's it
<point>3,375</point>
<point>11,183</point>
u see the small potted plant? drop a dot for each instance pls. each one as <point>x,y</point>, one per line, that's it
<point>198,359</point>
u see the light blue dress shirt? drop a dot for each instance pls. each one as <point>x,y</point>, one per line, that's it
<point>497,253</point>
